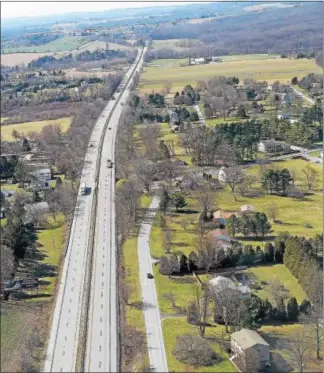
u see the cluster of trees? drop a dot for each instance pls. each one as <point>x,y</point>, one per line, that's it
<point>257,224</point>
<point>269,32</point>
<point>69,60</point>
<point>307,81</point>
<point>156,99</point>
<point>188,96</point>
<point>277,181</point>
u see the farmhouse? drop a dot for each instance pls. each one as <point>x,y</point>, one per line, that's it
<point>249,348</point>
<point>273,146</point>
<point>197,61</point>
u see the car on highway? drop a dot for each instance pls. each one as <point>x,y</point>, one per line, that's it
<point>109,128</point>
<point>109,163</point>
<point>113,98</point>
<point>150,276</point>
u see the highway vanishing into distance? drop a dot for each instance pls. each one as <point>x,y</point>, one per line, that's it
<point>101,353</point>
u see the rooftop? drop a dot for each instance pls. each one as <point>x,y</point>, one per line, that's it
<point>247,338</point>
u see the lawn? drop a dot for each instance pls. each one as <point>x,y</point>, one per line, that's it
<point>65,43</point>
<point>24,128</point>
<point>270,69</point>
<point>216,121</point>
<point>277,272</point>
<point>278,337</point>
<point>173,327</point>
<point>293,213</point>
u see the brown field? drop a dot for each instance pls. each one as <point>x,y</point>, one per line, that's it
<point>13,59</point>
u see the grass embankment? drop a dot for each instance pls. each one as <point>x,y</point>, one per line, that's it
<point>24,128</point>
<point>134,313</point>
<point>270,69</point>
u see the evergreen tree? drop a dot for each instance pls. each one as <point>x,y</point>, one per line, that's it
<point>305,306</point>
<point>281,311</point>
<point>233,225</point>
<point>292,309</point>
<point>269,252</point>
<point>183,263</point>
<point>178,201</point>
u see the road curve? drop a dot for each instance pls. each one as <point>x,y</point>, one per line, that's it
<point>62,346</point>
<point>155,342</point>
<point>102,335</point>
<point>301,94</point>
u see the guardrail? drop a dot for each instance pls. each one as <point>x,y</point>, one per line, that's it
<point>87,285</point>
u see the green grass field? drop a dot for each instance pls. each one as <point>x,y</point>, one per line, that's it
<point>278,338</point>
<point>270,69</point>
<point>173,327</point>
<point>66,43</point>
<point>24,128</point>
<point>51,240</point>
<point>281,273</point>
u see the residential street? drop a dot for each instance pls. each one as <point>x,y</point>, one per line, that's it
<point>152,316</point>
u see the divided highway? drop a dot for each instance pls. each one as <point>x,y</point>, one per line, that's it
<point>63,343</point>
<point>102,347</point>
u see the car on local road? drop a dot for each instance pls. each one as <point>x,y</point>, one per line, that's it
<point>109,163</point>
<point>149,275</point>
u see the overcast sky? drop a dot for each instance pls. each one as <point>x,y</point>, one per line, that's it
<point>27,8</point>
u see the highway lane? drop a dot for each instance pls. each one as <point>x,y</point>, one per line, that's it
<point>63,342</point>
<point>151,310</point>
<point>102,346</point>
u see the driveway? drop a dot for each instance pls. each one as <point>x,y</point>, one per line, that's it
<point>152,316</point>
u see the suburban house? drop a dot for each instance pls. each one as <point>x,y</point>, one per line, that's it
<point>174,118</point>
<point>269,88</point>
<point>251,351</point>
<point>41,178</point>
<point>224,172</point>
<point>273,146</point>
<point>286,99</point>
<point>220,283</point>
<point>221,216</point>
<point>245,209</point>
<point>220,238</point>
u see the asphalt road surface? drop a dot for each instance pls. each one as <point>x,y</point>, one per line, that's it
<point>152,317</point>
<point>63,342</point>
<point>102,347</point>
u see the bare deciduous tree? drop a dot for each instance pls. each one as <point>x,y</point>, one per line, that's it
<point>167,239</point>
<point>193,350</point>
<point>310,176</point>
<point>299,350</point>
<point>168,87</point>
<point>234,177</point>
<point>171,147</point>
<point>206,200</point>
<point>272,210</point>
<point>145,172</point>
<point>275,288</point>
<point>7,261</point>
<point>202,299</point>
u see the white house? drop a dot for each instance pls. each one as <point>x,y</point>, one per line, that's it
<point>283,116</point>
<point>197,61</point>
<point>269,88</point>
<point>273,146</point>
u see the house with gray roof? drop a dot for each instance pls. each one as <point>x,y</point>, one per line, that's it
<point>249,350</point>
<point>273,146</point>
